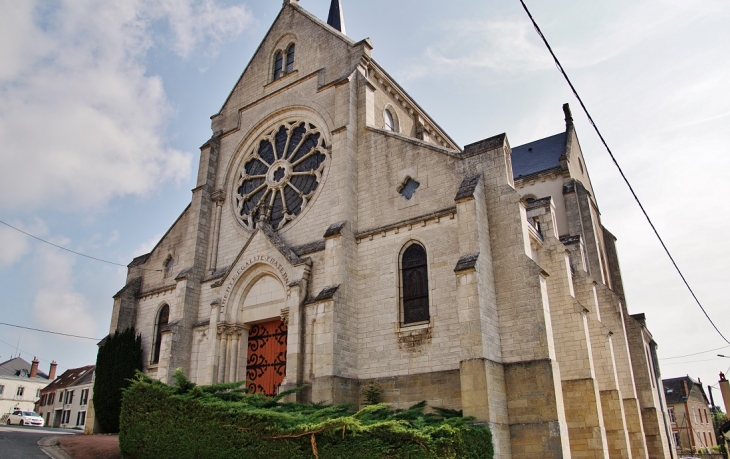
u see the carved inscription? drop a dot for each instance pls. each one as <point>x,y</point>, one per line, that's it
<point>257,259</point>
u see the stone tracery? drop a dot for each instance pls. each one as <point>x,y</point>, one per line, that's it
<point>280,176</point>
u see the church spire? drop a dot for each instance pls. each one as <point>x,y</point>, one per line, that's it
<point>336,18</point>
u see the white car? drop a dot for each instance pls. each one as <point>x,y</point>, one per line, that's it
<point>25,418</point>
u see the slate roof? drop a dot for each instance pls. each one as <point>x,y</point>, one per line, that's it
<point>538,156</point>
<point>19,368</point>
<point>674,389</point>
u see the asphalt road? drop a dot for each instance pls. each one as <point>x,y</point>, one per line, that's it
<point>18,442</point>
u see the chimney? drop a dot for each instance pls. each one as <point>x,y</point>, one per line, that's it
<point>34,368</point>
<point>725,391</point>
<point>52,371</point>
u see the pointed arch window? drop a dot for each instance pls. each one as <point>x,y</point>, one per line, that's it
<point>162,319</point>
<point>278,65</point>
<point>414,285</point>
<point>290,58</point>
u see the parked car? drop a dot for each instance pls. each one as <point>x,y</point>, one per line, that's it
<point>25,418</point>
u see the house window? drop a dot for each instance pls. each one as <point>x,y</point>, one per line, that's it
<point>676,439</point>
<point>672,416</point>
<point>162,319</point>
<point>38,393</point>
<point>2,389</point>
<point>414,284</point>
<point>66,417</point>
<point>20,391</point>
<point>290,59</point>
<point>84,399</point>
<point>51,398</point>
<point>69,397</point>
<point>278,61</point>
<point>81,418</point>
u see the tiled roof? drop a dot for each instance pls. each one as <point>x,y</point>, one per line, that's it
<point>70,377</point>
<point>540,155</point>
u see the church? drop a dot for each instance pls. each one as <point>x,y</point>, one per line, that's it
<point>337,236</point>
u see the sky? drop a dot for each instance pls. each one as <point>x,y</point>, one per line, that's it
<point>104,105</point>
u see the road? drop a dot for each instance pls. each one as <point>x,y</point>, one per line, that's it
<point>18,442</point>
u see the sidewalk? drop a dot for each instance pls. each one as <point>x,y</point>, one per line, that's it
<point>81,447</point>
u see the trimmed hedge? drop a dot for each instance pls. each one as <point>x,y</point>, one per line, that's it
<point>221,421</point>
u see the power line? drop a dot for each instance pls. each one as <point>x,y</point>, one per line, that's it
<point>22,351</point>
<point>51,332</point>
<point>696,353</point>
<point>636,198</point>
<point>69,250</point>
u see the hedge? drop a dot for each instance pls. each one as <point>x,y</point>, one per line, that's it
<point>222,421</point>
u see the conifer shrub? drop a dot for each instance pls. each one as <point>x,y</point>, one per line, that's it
<point>186,421</point>
<point>119,358</point>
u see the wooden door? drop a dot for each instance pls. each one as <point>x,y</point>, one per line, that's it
<point>266,366</point>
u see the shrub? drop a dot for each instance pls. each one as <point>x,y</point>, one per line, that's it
<point>119,357</point>
<point>222,421</point>
<point>372,393</point>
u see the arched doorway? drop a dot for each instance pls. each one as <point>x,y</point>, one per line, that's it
<point>266,356</point>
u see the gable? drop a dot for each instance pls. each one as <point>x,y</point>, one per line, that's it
<point>320,50</point>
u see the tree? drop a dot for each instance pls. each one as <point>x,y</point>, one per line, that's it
<point>119,357</point>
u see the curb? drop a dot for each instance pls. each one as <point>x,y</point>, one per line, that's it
<point>49,446</point>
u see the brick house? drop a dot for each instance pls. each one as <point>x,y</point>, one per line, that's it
<point>338,236</point>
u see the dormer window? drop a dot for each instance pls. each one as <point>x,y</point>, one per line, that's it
<point>290,59</point>
<point>278,63</point>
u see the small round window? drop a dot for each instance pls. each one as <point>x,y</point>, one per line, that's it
<point>279,178</point>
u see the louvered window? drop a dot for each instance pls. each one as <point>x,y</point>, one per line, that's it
<point>290,59</point>
<point>278,63</point>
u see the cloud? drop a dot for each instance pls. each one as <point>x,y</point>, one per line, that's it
<point>502,45</point>
<point>13,244</point>
<point>57,305</point>
<point>81,120</point>
<point>196,22</point>
<point>510,46</point>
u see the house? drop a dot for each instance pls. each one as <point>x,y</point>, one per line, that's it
<point>21,383</point>
<point>689,414</point>
<point>338,236</point>
<point>65,402</point>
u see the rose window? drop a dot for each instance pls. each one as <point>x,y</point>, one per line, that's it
<point>280,176</point>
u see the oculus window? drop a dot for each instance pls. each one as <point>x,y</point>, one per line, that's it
<point>281,174</point>
<point>414,285</point>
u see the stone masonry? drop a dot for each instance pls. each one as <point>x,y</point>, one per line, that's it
<point>523,323</point>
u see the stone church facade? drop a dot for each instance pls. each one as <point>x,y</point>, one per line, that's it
<point>338,236</point>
